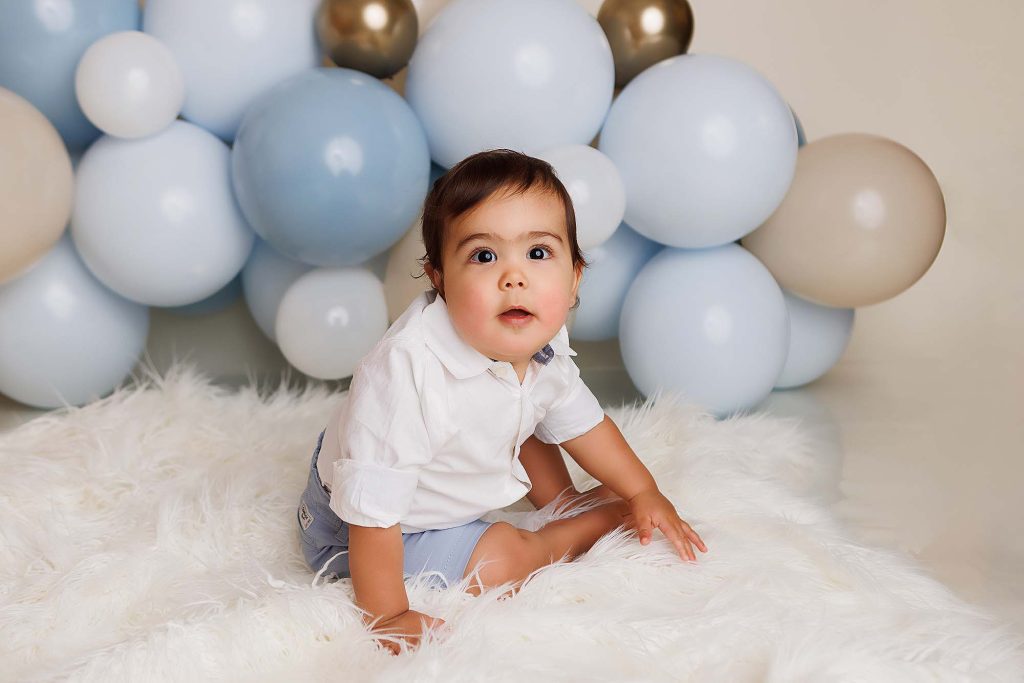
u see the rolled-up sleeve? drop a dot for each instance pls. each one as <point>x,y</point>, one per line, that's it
<point>574,414</point>
<point>383,437</point>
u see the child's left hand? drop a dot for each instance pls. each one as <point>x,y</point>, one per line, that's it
<point>651,509</point>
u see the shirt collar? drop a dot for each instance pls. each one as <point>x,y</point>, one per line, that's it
<point>461,359</point>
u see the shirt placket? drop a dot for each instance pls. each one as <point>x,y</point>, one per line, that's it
<point>507,374</point>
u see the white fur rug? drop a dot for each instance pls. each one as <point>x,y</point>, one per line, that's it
<point>151,536</point>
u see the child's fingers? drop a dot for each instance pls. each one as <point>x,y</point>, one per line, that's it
<point>644,529</point>
<point>697,540</point>
<point>682,544</point>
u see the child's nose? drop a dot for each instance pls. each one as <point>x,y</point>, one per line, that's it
<point>513,281</point>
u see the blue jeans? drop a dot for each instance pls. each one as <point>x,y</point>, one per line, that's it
<point>324,538</point>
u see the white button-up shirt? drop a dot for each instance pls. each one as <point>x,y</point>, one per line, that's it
<point>429,433</point>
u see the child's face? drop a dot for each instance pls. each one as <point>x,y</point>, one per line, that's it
<point>491,263</point>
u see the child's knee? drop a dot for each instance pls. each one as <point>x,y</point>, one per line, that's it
<point>507,554</point>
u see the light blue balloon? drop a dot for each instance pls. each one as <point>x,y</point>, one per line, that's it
<point>65,338</point>
<point>155,219</point>
<point>818,335</point>
<point>612,266</point>
<point>529,75</point>
<point>706,148</point>
<point>267,275</point>
<point>711,324</point>
<point>40,45</point>
<point>330,167</point>
<point>217,301</point>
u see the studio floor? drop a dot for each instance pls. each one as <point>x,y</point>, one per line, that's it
<point>921,421</point>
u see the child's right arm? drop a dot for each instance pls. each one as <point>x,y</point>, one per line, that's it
<point>375,562</point>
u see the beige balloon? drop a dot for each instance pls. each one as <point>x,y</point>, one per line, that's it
<point>401,285</point>
<point>863,220</point>
<point>36,183</point>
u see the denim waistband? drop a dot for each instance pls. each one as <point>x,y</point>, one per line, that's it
<point>312,467</point>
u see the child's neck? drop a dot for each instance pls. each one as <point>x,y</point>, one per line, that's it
<point>520,366</point>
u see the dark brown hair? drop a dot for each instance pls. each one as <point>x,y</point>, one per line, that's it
<point>477,177</point>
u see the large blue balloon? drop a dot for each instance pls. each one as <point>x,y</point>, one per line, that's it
<point>709,323</point>
<point>330,167</point>
<point>706,147</point>
<point>40,45</point>
<point>612,266</point>
<point>65,338</point>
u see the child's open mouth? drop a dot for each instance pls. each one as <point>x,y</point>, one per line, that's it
<point>516,316</point>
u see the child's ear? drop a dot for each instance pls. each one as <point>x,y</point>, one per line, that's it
<point>577,278</point>
<point>435,276</point>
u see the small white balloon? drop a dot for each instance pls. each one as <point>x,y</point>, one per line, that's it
<point>818,335</point>
<point>329,319</point>
<point>595,186</point>
<point>129,85</point>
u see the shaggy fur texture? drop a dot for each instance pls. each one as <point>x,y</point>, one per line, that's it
<point>152,536</point>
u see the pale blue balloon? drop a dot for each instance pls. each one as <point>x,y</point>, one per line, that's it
<point>155,219</point>
<point>330,167</point>
<point>217,301</point>
<point>711,324</point>
<point>232,51</point>
<point>706,148</point>
<point>612,266</point>
<point>267,275</point>
<point>818,335</point>
<point>65,338</point>
<point>40,45</point>
<point>523,74</point>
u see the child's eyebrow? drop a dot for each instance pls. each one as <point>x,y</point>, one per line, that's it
<point>533,234</point>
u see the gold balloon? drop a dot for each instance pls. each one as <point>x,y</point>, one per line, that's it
<point>373,36</point>
<point>36,185</point>
<point>644,32</point>
<point>863,220</point>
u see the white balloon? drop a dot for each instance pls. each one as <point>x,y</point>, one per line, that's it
<point>523,74</point>
<point>329,319</point>
<point>818,335</point>
<point>129,85</point>
<point>155,218</point>
<point>595,186</point>
<point>232,51</point>
<point>706,147</point>
<point>65,338</point>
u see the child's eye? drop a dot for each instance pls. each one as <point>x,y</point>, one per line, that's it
<point>538,252</point>
<point>483,252</point>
